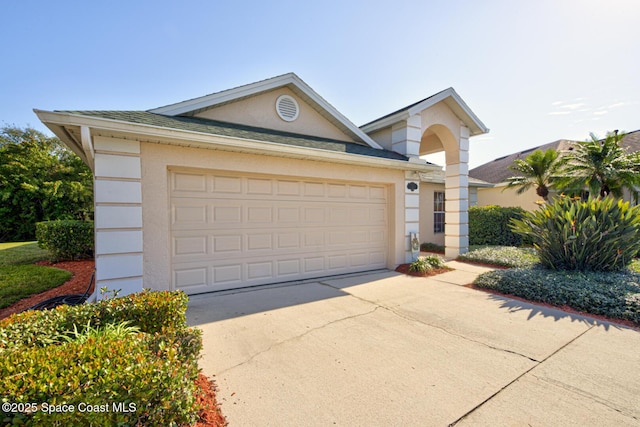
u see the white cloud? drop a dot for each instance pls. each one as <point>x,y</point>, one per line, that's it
<point>600,113</point>
<point>574,106</point>
<point>559,113</point>
<point>617,104</point>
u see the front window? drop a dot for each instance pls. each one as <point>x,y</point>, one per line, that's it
<point>438,212</point>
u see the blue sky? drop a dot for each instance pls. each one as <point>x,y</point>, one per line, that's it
<point>533,71</point>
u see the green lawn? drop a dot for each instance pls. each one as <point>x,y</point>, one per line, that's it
<point>19,278</point>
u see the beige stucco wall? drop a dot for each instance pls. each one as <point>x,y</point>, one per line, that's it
<point>426,214</point>
<point>509,197</point>
<point>158,159</point>
<point>260,111</point>
<point>383,137</point>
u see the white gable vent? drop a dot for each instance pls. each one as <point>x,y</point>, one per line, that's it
<point>287,108</point>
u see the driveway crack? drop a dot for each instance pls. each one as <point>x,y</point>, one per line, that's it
<point>519,376</point>
<point>297,337</point>
<point>412,319</point>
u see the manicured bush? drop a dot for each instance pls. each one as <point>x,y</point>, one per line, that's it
<point>489,225</point>
<point>504,256</point>
<point>431,247</point>
<point>152,312</point>
<point>66,239</point>
<point>612,294</point>
<point>593,235</point>
<point>426,263</point>
<point>135,351</point>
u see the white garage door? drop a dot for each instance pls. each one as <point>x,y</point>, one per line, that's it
<point>231,231</point>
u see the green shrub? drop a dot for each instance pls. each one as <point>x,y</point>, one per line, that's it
<point>426,263</point>
<point>66,239</point>
<point>136,351</point>
<point>150,380</point>
<point>489,225</point>
<point>431,247</point>
<point>152,312</point>
<point>504,256</point>
<point>593,235</point>
<point>612,294</point>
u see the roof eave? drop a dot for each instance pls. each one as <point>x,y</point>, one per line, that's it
<point>56,121</point>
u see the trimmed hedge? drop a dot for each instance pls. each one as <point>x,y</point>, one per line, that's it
<point>66,239</point>
<point>489,225</point>
<point>151,373</point>
<point>613,294</point>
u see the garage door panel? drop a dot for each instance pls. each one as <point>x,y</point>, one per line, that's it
<point>288,188</point>
<point>227,274</point>
<point>189,182</point>
<point>226,185</point>
<point>192,214</point>
<point>289,267</point>
<point>190,246</point>
<point>258,186</point>
<point>234,231</point>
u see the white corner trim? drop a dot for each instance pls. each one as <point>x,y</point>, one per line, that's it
<point>87,146</point>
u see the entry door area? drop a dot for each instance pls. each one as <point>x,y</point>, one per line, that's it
<point>230,231</point>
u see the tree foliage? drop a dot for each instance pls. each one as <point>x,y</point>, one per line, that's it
<point>39,180</point>
<point>537,170</point>
<point>602,166</point>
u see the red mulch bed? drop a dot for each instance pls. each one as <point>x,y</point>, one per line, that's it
<point>404,269</point>
<point>78,283</point>
<point>210,415</point>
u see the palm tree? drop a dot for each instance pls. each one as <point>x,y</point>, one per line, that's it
<point>602,166</point>
<point>538,169</point>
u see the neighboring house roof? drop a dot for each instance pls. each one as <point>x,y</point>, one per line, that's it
<point>449,96</point>
<point>497,171</point>
<point>289,80</point>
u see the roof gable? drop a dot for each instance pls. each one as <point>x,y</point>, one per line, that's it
<point>449,96</point>
<point>291,81</point>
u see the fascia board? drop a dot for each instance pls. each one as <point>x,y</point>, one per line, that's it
<point>386,122</point>
<point>315,97</point>
<point>224,96</point>
<point>226,143</point>
<point>457,105</point>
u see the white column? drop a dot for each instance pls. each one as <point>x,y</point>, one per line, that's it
<point>411,211</point>
<point>456,237</point>
<point>118,215</point>
<point>406,135</point>
<point>405,139</point>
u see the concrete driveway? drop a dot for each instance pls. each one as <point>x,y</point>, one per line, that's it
<point>387,349</point>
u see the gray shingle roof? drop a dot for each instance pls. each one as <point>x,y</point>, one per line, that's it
<point>215,127</point>
<point>497,170</point>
